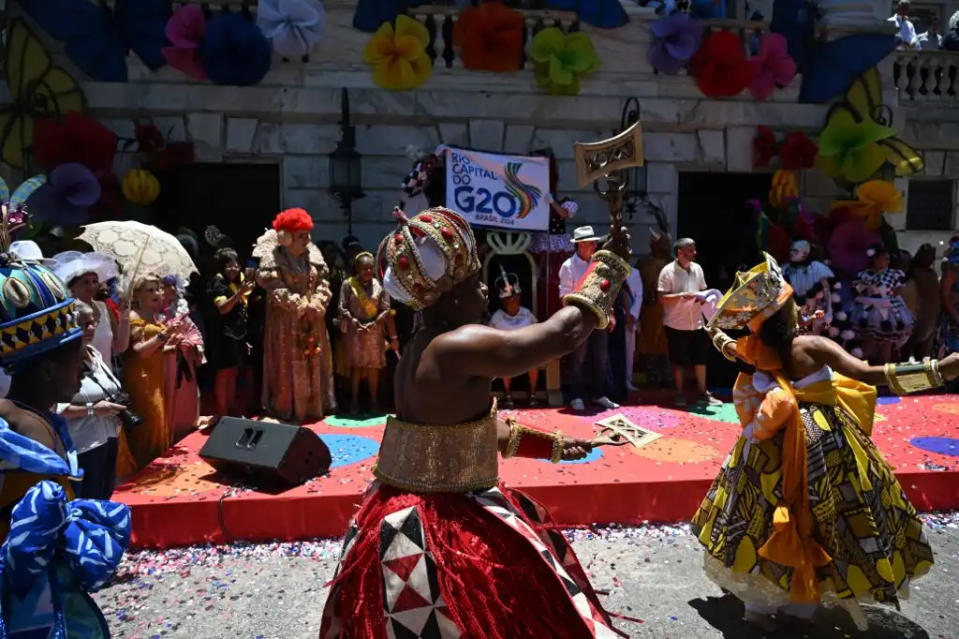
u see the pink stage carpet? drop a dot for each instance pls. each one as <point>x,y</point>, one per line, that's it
<point>180,500</point>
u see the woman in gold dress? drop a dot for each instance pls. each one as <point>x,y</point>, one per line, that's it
<point>805,508</point>
<point>143,371</point>
<point>297,362</point>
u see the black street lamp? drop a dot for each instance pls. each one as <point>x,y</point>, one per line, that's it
<point>346,167</point>
<point>634,178</point>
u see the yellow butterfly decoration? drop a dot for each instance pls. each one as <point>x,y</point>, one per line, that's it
<point>857,140</point>
<point>38,89</point>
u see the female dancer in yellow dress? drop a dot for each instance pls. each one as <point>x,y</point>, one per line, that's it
<point>144,372</point>
<point>805,507</point>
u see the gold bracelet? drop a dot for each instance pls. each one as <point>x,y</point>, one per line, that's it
<point>904,379</point>
<point>721,341</point>
<point>599,286</point>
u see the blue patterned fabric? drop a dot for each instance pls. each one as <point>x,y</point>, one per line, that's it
<point>55,552</point>
<point>22,453</point>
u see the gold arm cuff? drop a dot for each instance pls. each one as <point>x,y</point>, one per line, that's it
<point>516,433</point>
<point>600,285</point>
<point>439,459</point>
<point>904,379</point>
<point>721,340</point>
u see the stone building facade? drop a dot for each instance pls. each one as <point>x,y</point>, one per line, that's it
<point>290,119</point>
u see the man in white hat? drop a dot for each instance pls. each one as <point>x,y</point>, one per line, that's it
<point>588,365</point>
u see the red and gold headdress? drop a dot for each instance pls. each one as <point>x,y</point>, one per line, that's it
<point>426,256</point>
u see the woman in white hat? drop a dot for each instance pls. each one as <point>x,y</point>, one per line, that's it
<point>83,274</point>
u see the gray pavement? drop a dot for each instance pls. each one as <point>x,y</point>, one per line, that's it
<point>652,575</point>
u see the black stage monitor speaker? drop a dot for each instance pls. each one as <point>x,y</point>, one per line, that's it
<point>266,452</point>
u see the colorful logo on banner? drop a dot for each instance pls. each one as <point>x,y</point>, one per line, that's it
<point>503,191</point>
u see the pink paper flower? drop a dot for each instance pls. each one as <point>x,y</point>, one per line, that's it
<point>185,30</point>
<point>773,66</point>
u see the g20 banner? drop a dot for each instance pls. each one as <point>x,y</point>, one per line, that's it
<point>502,191</point>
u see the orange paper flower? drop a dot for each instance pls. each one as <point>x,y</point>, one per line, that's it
<point>490,37</point>
<point>874,198</point>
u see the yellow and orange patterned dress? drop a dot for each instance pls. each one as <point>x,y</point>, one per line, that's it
<point>805,508</point>
<point>144,381</point>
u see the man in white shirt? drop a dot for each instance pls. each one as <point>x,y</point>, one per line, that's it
<point>680,283</point>
<point>588,366</point>
<point>511,316</point>
<point>931,40</point>
<point>907,32</point>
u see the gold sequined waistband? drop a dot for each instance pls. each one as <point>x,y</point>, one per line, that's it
<point>439,459</point>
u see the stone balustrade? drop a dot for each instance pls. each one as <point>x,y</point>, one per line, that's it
<point>926,76</point>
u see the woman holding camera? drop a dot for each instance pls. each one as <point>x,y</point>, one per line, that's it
<point>93,416</point>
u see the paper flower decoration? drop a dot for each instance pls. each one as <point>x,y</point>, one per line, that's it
<point>720,66</point>
<point>848,148</point>
<point>141,187</point>
<point>234,51</point>
<point>398,55</point>
<point>65,198</point>
<point>847,247</point>
<point>676,40</point>
<point>798,151</point>
<point>784,188</point>
<point>764,146</point>
<point>873,199</point>
<point>772,67</point>
<point>185,30</point>
<point>490,37</point>
<point>75,138</point>
<point>562,59</point>
<point>293,26</point>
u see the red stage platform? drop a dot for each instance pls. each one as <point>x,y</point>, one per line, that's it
<point>180,500</point>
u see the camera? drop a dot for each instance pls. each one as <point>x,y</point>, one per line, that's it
<point>127,417</point>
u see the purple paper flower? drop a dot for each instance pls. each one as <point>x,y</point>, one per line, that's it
<point>676,40</point>
<point>65,198</point>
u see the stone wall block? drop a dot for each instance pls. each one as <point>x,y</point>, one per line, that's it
<point>172,128</point>
<point>123,127</point>
<point>670,147</point>
<point>487,135</point>
<point>310,139</point>
<point>660,177</point>
<point>454,134</point>
<point>739,148</point>
<point>393,140</point>
<point>205,129</point>
<point>239,134</point>
<point>935,163</point>
<point>268,139</point>
<point>312,171</point>
<point>561,140</point>
<point>519,138</point>
<point>712,146</point>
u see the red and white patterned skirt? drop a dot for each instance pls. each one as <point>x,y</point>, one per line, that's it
<point>482,565</point>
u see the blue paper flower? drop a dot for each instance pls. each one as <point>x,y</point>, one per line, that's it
<point>234,51</point>
<point>294,26</point>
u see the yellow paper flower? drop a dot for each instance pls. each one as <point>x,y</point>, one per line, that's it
<point>398,56</point>
<point>873,199</point>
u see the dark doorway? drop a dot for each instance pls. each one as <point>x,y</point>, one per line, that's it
<point>239,199</point>
<point>713,211</point>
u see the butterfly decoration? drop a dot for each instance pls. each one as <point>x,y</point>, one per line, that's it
<point>97,38</point>
<point>827,68</point>
<point>38,90</point>
<point>858,141</point>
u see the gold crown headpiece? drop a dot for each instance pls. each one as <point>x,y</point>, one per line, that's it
<point>426,256</point>
<point>756,296</point>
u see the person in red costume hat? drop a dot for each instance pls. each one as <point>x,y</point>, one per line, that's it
<point>297,362</point>
<point>439,547</point>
